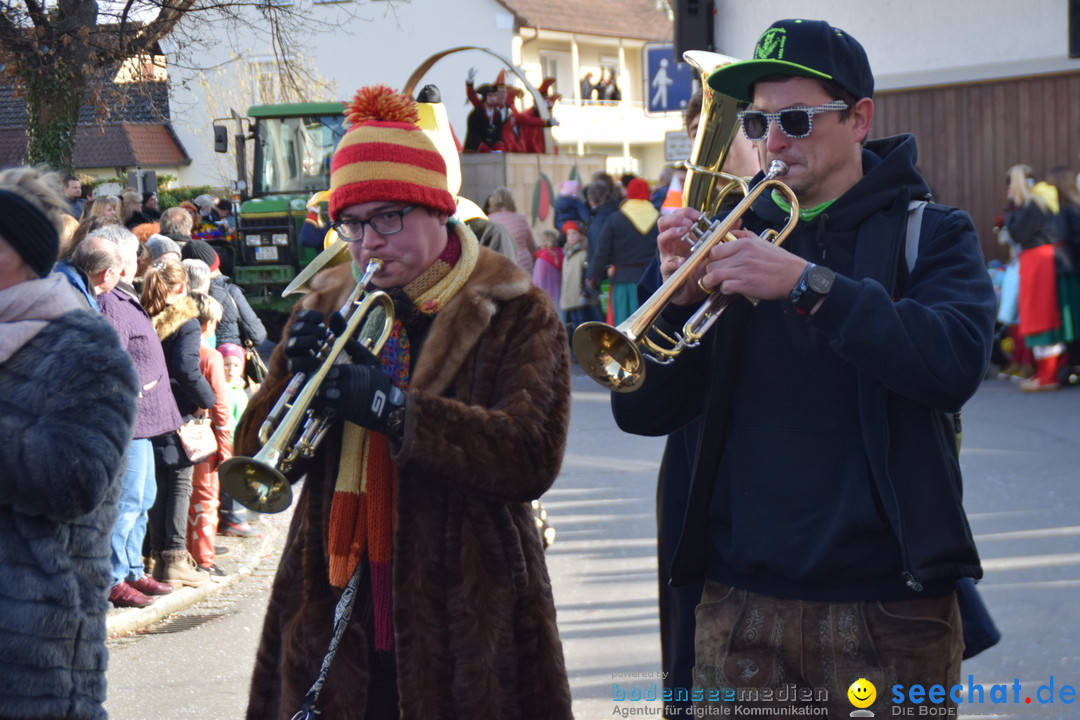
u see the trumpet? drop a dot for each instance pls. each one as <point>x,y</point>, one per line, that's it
<point>293,429</point>
<point>613,356</point>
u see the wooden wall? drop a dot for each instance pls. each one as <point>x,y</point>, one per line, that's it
<point>969,136</point>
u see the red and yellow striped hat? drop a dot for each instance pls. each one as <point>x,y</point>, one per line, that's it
<point>386,157</point>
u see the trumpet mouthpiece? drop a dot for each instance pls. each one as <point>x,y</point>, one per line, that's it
<point>777,168</point>
<point>374,265</point>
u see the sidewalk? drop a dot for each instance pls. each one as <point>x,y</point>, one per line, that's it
<point>243,556</point>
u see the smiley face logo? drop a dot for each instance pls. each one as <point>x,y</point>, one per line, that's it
<point>862,693</point>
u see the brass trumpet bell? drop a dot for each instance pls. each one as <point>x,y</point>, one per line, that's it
<point>335,253</point>
<point>293,429</point>
<point>604,352</point>
<point>261,486</point>
<point>706,185</point>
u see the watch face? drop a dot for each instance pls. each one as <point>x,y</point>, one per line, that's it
<point>820,279</point>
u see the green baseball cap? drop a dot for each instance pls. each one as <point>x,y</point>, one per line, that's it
<point>808,48</point>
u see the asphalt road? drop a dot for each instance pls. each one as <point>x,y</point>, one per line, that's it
<point>1021,459</point>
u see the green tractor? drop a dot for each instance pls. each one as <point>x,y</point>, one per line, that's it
<point>293,144</point>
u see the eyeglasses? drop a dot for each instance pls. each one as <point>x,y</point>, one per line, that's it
<point>796,123</point>
<point>388,222</point>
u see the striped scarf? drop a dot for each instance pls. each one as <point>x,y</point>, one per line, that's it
<point>363,508</point>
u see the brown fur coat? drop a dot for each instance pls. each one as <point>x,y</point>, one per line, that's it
<point>485,430</point>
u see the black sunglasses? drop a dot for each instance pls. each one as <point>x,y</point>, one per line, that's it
<point>796,123</point>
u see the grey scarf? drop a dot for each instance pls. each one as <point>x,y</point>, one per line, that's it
<point>27,307</point>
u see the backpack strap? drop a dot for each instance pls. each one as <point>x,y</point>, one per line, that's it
<point>911,254</point>
<point>914,230</point>
<point>924,217</point>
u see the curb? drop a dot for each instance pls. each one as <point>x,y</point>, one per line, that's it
<point>124,621</point>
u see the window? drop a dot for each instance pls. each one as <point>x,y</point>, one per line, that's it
<point>549,65</point>
<point>264,81</point>
<point>292,154</point>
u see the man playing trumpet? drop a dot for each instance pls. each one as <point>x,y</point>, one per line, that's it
<point>419,496</point>
<point>824,513</point>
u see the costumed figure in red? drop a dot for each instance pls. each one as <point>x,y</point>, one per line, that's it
<point>484,126</point>
<point>532,125</point>
<point>1032,223</point>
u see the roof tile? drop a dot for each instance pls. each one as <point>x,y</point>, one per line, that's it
<point>154,145</point>
<point>116,145</point>
<point>129,102</point>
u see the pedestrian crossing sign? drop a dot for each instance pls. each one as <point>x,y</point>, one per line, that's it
<point>669,82</point>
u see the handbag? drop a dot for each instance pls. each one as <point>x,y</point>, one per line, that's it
<point>1009,304</point>
<point>254,367</point>
<point>197,439</point>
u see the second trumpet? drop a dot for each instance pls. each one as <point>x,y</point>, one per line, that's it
<point>615,356</point>
<point>293,429</point>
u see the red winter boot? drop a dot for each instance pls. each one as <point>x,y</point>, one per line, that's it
<point>1046,375</point>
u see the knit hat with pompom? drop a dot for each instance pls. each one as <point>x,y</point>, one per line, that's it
<point>386,157</point>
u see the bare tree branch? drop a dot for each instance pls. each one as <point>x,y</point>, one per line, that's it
<point>68,54</point>
<point>36,13</point>
<point>13,38</point>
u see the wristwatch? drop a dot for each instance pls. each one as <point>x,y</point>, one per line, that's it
<point>814,284</point>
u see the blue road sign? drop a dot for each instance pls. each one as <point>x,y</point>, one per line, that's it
<point>668,81</point>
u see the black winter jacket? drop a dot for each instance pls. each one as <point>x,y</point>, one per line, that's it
<point>67,408</point>
<point>178,328</point>
<point>238,321</point>
<point>917,344</point>
<point>622,246</point>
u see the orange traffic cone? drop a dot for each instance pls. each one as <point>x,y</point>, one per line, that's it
<point>673,200</point>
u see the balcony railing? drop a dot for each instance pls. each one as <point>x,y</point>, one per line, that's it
<point>598,122</point>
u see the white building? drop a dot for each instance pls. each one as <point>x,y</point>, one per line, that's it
<point>360,42</point>
<point>916,43</point>
<point>983,84</point>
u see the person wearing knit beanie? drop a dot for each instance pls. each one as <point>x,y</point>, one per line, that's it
<point>201,250</point>
<point>440,436</point>
<point>29,232</point>
<point>386,157</point>
<point>627,244</point>
<point>384,168</point>
<point>233,359</point>
<point>68,392</point>
<point>159,245</point>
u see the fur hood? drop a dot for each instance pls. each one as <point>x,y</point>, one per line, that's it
<point>169,320</point>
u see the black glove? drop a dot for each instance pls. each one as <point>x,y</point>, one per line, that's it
<point>363,394</point>
<point>309,335</point>
<point>306,338</point>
